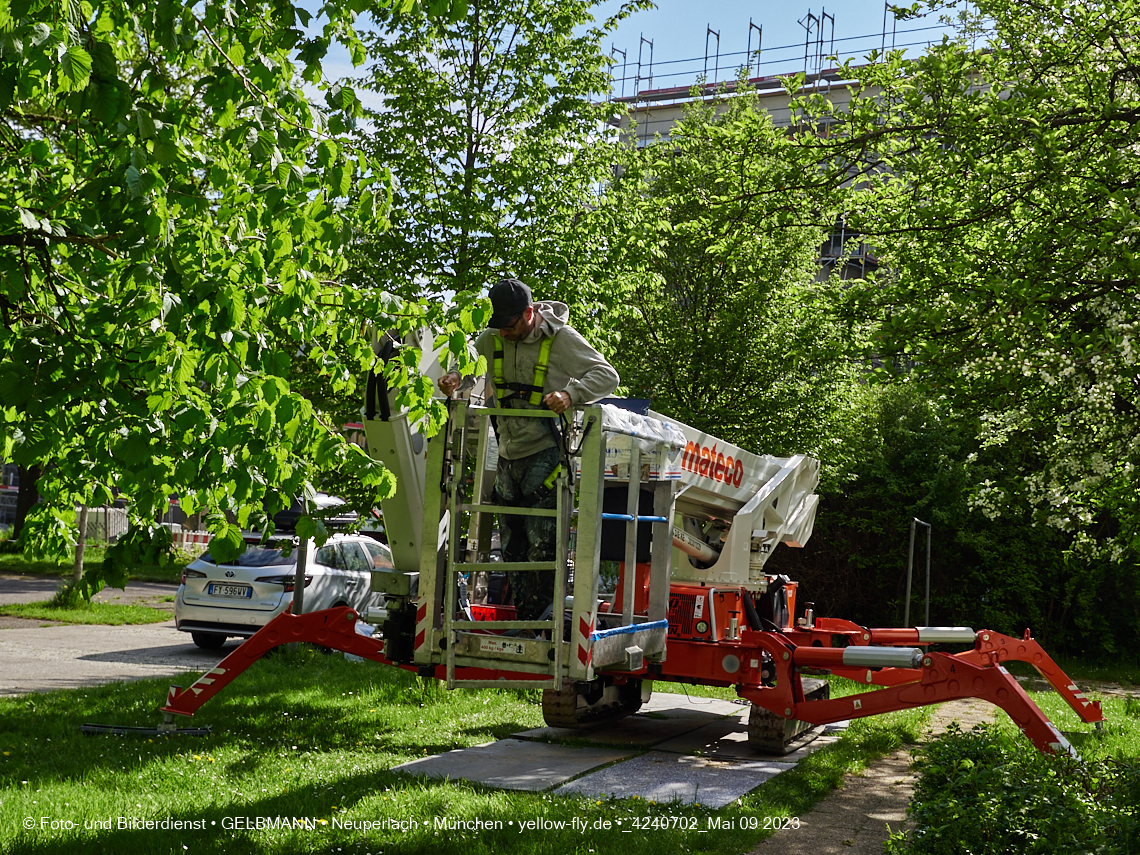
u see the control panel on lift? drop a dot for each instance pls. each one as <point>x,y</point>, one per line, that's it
<point>702,613</point>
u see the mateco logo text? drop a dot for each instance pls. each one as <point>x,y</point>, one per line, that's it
<point>708,463</point>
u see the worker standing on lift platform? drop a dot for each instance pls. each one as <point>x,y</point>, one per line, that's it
<point>536,360</point>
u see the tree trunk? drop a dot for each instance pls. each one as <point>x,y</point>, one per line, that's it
<point>27,497</point>
<point>80,543</point>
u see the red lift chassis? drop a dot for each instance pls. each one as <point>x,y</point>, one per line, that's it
<point>936,677</point>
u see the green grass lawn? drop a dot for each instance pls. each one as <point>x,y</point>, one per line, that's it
<point>1124,670</point>
<point>18,563</point>
<point>15,562</point>
<point>1119,735</point>
<point>305,735</point>
<point>88,613</point>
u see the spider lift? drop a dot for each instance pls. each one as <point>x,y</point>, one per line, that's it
<point>691,520</point>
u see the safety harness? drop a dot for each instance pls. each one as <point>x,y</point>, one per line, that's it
<point>532,392</point>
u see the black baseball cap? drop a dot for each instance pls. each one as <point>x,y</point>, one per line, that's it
<point>509,299</point>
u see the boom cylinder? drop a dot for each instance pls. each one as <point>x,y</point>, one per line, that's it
<point>859,657</point>
<point>694,547</point>
<point>924,635</point>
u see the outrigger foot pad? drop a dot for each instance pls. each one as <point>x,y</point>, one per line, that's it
<point>161,730</point>
<point>769,733</point>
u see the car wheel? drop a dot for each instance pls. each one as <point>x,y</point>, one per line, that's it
<point>208,640</point>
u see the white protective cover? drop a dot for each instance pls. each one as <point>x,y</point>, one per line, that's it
<point>659,442</point>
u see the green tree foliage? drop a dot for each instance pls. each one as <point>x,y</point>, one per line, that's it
<point>724,323</point>
<point>998,185</point>
<point>913,457</point>
<point>492,129</point>
<point>173,224</point>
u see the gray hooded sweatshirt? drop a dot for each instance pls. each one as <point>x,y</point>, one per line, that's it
<point>575,368</point>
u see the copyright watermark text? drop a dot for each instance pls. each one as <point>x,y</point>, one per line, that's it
<point>407,825</point>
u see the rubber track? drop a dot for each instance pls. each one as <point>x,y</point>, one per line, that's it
<point>769,733</point>
<point>560,709</point>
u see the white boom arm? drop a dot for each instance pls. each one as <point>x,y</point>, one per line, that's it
<point>401,447</point>
<point>740,503</point>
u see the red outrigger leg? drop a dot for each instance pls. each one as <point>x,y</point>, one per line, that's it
<point>990,648</point>
<point>942,678</point>
<point>334,628</point>
<point>974,674</point>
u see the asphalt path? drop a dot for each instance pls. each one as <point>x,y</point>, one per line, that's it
<point>39,656</point>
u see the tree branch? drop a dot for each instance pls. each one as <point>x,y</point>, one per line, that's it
<point>28,239</point>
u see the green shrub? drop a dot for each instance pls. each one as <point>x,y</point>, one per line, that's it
<point>180,556</point>
<point>69,596</point>
<point>983,792</point>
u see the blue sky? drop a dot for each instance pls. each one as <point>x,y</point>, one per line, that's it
<point>678,29</point>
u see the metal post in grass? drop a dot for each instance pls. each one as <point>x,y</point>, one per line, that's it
<point>910,571</point>
<point>299,581</point>
<point>928,530</point>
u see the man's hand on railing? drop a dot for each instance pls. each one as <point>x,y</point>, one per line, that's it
<point>557,402</point>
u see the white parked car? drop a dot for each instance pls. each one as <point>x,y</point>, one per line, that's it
<point>216,601</point>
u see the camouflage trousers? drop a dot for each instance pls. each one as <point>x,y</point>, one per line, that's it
<point>519,483</point>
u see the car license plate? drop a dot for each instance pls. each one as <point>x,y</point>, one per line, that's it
<point>237,591</point>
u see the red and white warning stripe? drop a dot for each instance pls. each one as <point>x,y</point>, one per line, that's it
<point>585,648</point>
<point>423,626</point>
<point>206,680</point>
<point>183,538</point>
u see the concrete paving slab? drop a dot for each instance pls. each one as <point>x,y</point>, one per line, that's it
<point>666,716</point>
<point>663,777</point>
<point>803,749</point>
<point>514,764</point>
<point>636,730</point>
<point>673,705</point>
<point>724,738</point>
<point>826,735</point>
<point>728,739</point>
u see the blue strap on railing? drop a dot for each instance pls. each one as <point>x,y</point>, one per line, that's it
<point>630,518</point>
<point>628,630</point>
